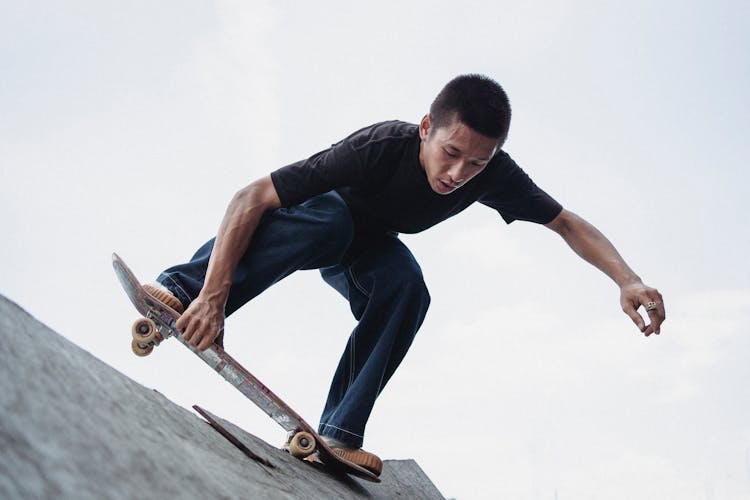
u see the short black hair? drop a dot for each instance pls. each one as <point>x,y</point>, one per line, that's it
<point>478,102</point>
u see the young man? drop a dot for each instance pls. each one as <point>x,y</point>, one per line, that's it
<point>341,210</point>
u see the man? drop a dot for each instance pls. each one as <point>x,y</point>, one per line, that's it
<point>341,210</point>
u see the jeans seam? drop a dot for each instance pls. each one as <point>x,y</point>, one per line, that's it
<point>352,351</point>
<point>352,359</point>
<point>356,283</point>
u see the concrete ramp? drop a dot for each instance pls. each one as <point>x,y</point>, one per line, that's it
<point>66,433</point>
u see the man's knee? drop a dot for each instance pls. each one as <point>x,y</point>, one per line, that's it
<point>418,289</point>
<point>409,282</point>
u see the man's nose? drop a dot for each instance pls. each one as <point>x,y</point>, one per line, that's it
<point>457,172</point>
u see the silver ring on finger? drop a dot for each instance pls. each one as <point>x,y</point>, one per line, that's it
<point>651,306</point>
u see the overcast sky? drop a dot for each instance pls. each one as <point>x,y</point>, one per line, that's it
<point>128,126</point>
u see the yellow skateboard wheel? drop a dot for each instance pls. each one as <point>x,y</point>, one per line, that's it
<point>144,330</point>
<point>302,445</point>
<point>139,350</point>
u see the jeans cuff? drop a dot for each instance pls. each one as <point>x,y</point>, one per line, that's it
<point>350,439</point>
<point>174,287</point>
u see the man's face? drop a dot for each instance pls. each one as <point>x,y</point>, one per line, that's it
<point>452,154</point>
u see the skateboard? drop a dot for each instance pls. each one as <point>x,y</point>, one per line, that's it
<point>159,323</point>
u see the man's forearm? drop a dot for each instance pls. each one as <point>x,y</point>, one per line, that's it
<point>235,232</point>
<point>591,245</point>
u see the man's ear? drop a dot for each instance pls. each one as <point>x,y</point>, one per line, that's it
<point>424,127</point>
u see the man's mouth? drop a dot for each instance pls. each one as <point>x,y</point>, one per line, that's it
<point>446,187</point>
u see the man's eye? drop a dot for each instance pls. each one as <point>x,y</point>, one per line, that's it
<point>449,153</point>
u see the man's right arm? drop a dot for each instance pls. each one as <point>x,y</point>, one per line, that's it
<point>204,318</point>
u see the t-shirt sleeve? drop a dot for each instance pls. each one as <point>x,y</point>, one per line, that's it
<point>332,168</point>
<point>516,197</point>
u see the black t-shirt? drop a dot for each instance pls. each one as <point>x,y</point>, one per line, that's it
<point>376,170</point>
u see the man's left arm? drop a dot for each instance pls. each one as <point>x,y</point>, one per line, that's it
<point>596,249</point>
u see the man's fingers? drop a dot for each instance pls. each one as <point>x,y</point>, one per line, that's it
<point>206,342</point>
<point>182,322</point>
<point>187,324</point>
<point>654,305</point>
<point>185,328</point>
<point>201,334</point>
<point>635,316</point>
<point>660,303</point>
<point>657,317</point>
<point>192,331</point>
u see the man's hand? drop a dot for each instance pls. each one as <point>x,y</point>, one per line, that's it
<point>635,295</point>
<point>201,323</point>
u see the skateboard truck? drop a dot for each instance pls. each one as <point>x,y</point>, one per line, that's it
<point>148,332</point>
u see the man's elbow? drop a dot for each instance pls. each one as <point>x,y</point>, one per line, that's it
<point>564,223</point>
<point>258,194</point>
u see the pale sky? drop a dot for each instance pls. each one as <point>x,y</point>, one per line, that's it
<point>128,126</point>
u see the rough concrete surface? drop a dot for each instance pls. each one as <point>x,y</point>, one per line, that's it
<point>69,428</point>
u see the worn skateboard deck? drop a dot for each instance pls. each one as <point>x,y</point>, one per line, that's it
<point>159,323</point>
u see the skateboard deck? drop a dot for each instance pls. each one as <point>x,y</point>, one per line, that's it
<point>159,323</point>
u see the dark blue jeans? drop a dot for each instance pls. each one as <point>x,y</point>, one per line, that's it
<point>383,284</point>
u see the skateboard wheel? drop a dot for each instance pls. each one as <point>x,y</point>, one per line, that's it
<point>144,330</point>
<point>302,445</point>
<point>139,350</point>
